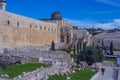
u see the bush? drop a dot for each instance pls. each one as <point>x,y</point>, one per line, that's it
<point>52,46</point>
<point>90,54</point>
<point>67,50</point>
<point>3,66</point>
<point>1,70</point>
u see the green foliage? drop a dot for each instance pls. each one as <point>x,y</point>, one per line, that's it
<point>84,45</point>
<point>95,31</point>
<point>80,45</point>
<point>16,70</point>
<point>67,50</point>
<point>102,43</point>
<point>74,50</point>
<point>93,44</point>
<point>78,48</point>
<point>90,54</point>
<point>1,70</point>
<point>111,48</point>
<point>52,46</point>
<point>110,59</point>
<point>73,55</point>
<point>3,66</point>
<point>79,75</point>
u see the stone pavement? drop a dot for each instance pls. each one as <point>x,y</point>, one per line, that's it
<point>108,74</point>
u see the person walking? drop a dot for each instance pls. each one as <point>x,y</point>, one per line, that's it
<point>102,70</point>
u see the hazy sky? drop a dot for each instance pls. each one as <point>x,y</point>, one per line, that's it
<point>84,13</point>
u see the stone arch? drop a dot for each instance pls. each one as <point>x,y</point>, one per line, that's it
<point>66,34</point>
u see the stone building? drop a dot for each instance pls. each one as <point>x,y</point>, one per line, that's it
<point>19,31</point>
<point>65,28</point>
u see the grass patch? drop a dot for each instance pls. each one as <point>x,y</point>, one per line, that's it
<point>18,69</point>
<point>79,75</point>
<point>73,55</point>
<point>110,59</point>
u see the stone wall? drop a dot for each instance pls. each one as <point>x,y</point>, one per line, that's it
<point>107,38</point>
<point>19,31</point>
<point>61,24</point>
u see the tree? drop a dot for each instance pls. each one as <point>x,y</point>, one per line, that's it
<point>74,50</point>
<point>53,46</point>
<point>102,43</point>
<point>91,55</point>
<point>84,45</point>
<point>97,46</point>
<point>78,48</point>
<point>111,48</point>
<point>93,44</point>
<point>80,44</point>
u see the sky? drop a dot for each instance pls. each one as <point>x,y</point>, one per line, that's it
<point>83,13</point>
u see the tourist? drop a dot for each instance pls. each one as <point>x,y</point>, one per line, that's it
<point>102,70</point>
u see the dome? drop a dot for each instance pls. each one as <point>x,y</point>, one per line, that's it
<point>56,16</point>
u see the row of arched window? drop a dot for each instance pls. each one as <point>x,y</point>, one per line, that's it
<point>41,28</point>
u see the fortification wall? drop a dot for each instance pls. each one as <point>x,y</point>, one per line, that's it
<point>18,31</point>
<point>107,38</point>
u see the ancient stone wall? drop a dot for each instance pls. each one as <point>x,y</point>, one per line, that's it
<point>107,38</point>
<point>18,31</point>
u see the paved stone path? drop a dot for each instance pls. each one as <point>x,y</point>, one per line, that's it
<point>108,74</point>
<point>3,78</point>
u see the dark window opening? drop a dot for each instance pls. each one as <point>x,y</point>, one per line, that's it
<point>48,29</point>
<point>17,23</point>
<point>41,28</point>
<point>8,22</point>
<point>44,28</point>
<point>30,26</point>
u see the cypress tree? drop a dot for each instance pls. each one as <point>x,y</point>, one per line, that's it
<point>53,46</point>
<point>97,47</point>
<point>102,43</point>
<point>93,43</point>
<point>74,50</point>
<point>78,47</point>
<point>111,48</point>
<point>84,45</point>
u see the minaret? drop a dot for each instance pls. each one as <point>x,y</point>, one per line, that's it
<point>2,5</point>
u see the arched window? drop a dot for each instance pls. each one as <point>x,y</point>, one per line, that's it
<point>40,28</point>
<point>30,26</point>
<point>17,23</point>
<point>52,29</point>
<point>44,28</point>
<point>8,22</point>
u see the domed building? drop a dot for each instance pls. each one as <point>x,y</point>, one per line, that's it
<point>56,16</point>
<point>23,31</point>
<point>66,31</point>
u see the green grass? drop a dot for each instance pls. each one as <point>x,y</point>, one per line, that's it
<point>79,75</point>
<point>73,55</point>
<point>18,69</point>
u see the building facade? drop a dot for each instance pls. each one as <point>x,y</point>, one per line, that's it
<point>19,31</point>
